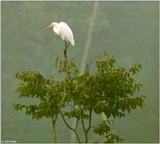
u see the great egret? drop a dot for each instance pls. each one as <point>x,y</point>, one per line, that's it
<point>64,31</point>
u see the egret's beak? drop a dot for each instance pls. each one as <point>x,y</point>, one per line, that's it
<point>50,26</point>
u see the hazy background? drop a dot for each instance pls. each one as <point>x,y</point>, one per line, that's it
<point>127,30</point>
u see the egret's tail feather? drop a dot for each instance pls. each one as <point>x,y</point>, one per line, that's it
<point>72,42</point>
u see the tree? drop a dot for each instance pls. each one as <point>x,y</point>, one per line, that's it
<point>109,90</point>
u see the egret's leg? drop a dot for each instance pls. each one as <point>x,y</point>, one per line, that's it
<point>65,50</point>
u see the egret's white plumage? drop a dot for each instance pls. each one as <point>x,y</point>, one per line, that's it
<point>64,31</point>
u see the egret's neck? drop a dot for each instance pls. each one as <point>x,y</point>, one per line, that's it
<point>56,30</point>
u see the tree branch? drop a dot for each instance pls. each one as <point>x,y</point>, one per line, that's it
<point>73,129</point>
<point>84,129</point>
<point>76,124</point>
<point>90,118</point>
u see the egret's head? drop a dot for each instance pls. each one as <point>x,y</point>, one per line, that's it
<point>52,25</point>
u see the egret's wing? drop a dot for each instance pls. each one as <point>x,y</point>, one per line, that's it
<point>66,32</point>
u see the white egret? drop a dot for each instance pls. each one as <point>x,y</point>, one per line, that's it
<point>64,31</point>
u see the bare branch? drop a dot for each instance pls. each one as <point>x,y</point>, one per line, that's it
<point>76,124</point>
<point>90,118</point>
<point>72,129</point>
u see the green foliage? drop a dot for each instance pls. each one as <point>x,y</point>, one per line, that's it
<point>109,90</point>
<point>104,129</point>
<point>34,85</point>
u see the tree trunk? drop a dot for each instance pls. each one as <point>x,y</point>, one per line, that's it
<point>54,131</point>
<point>86,137</point>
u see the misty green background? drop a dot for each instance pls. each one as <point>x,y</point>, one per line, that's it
<point>127,30</point>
